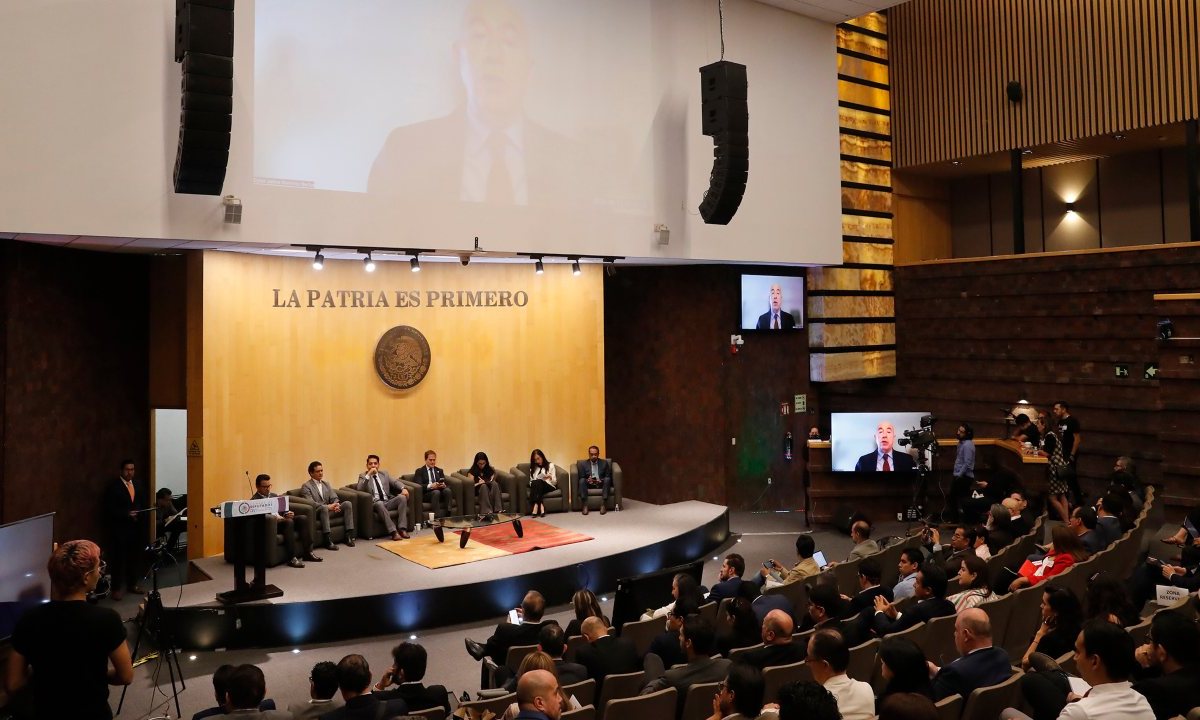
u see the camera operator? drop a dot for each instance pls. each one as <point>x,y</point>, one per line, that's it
<point>966,496</point>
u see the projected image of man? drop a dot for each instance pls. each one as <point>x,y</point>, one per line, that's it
<point>776,318</point>
<point>884,459</point>
<point>487,150</point>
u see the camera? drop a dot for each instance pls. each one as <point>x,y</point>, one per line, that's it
<point>921,438</point>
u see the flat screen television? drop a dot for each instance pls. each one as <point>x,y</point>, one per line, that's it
<point>24,581</point>
<point>856,437</point>
<point>772,302</point>
<point>650,590</point>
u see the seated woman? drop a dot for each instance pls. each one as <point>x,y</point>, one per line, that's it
<point>1066,549</point>
<point>972,576</point>
<point>487,489</point>
<point>542,480</point>
<point>981,542</point>
<point>586,605</point>
<point>1062,617</point>
<point>1108,600</point>
<point>904,668</point>
<point>682,585</point>
<point>738,628</point>
<point>1188,533</point>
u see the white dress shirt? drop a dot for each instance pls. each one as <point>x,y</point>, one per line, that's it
<point>855,698</point>
<point>1110,701</point>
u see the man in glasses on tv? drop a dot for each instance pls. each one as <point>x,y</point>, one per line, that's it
<point>776,318</point>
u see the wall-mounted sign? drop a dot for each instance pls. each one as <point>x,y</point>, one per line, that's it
<point>1151,371</point>
<point>801,403</point>
<point>402,357</point>
<point>309,298</point>
<point>1121,370</point>
<point>195,448</point>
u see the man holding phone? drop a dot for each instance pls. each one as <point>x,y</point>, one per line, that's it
<point>772,573</point>
<point>509,634</point>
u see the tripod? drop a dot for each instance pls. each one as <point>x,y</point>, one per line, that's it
<point>153,622</point>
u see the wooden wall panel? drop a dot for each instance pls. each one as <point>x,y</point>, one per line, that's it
<point>168,331</point>
<point>283,386</point>
<point>1087,67</point>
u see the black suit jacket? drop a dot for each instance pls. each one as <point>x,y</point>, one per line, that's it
<point>773,655</point>
<point>902,462</point>
<point>418,696</point>
<point>364,707</point>
<point>583,469</point>
<point>508,635</point>
<point>570,673</point>
<point>978,669</point>
<point>117,504</point>
<point>609,655</point>
<point>1020,526</point>
<point>421,476</point>
<point>923,611</point>
<point>1173,694</point>
<point>725,589</point>
<point>865,600</point>
<point>786,321</point>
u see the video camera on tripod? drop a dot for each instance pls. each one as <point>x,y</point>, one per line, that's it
<point>922,438</point>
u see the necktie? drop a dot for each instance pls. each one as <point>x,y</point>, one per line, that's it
<point>379,490</point>
<point>129,487</point>
<point>887,466</point>
<point>775,321</point>
<point>499,189</point>
<point>321,491</point>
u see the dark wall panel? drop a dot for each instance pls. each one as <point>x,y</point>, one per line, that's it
<point>676,396</point>
<point>75,360</point>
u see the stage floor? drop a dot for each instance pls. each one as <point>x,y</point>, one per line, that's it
<point>370,580</point>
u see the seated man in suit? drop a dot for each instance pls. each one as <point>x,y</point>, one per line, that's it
<point>1018,521</point>
<point>605,654</point>
<point>244,692</point>
<point>1171,665</point>
<point>825,607</point>
<point>776,318</point>
<point>930,591</point>
<point>387,494</point>
<point>220,681</point>
<point>979,665</point>
<point>962,543</point>
<point>552,640</point>
<point>322,693</point>
<point>354,680</point>
<point>595,472</point>
<point>729,578</point>
<point>294,528</point>
<point>1109,510</point>
<point>506,635</point>
<point>666,645</point>
<point>409,661</point>
<point>860,533</point>
<point>317,490</point>
<point>778,647</point>
<point>698,640</point>
<point>804,568</point>
<point>884,459</point>
<point>740,697</point>
<point>433,479</point>
<point>863,603</point>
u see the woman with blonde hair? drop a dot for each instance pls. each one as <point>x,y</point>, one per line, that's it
<point>538,660</point>
<point>69,640</point>
<point>586,605</point>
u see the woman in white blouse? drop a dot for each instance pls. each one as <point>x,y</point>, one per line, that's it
<point>542,480</point>
<point>972,575</point>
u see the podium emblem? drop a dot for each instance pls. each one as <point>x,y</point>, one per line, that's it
<point>402,357</point>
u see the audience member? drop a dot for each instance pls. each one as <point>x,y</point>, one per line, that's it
<point>982,550</point>
<point>605,654</point>
<point>245,689</point>
<point>539,696</point>
<point>860,533</point>
<point>507,635</point>
<point>729,578</point>
<point>869,574</point>
<point>930,591</point>
<point>1000,531</point>
<point>1018,522</point>
<point>538,661</point>
<point>698,641</point>
<point>828,657</point>
<point>220,681</point>
<point>354,680</point>
<point>1062,617</point>
<point>778,647</point>
<point>553,641</point>
<point>1154,572</point>
<point>322,693</point>
<point>807,701</point>
<point>682,586</point>
<point>911,560</point>
<point>979,665</point>
<point>1083,522</point>
<point>1188,532</point>
<point>1171,656</point>
<point>586,605</point>
<point>409,662</point>
<point>1065,551</point>
<point>804,568</point>
<point>904,667</point>
<point>972,578</point>
<point>907,706</point>
<point>67,649</point>
<point>739,627</point>
<point>1107,599</point>
<point>740,695</point>
<point>825,608</point>
<point>960,545</point>
<point>1109,512</point>
<point>1104,658</point>
<point>666,645</point>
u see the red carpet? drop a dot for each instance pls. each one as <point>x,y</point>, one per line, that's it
<point>538,536</point>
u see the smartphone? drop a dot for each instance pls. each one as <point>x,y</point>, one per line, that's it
<point>769,564</point>
<point>1154,561</point>
<point>513,617</point>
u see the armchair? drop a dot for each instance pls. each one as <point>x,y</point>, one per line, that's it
<point>594,493</point>
<point>420,501</point>
<point>556,501</point>
<point>508,490</point>
<point>368,523</point>
<point>337,522</point>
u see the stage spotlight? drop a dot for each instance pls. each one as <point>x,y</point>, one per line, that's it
<point>318,261</point>
<point>415,264</point>
<point>369,263</point>
<point>575,266</point>
<point>412,637</point>
<point>538,267</point>
<point>295,651</point>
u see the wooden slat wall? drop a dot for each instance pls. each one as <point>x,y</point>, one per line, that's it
<point>852,320</point>
<point>1087,67</point>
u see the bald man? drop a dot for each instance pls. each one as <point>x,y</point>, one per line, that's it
<point>981,664</point>
<point>605,654</point>
<point>885,458</point>
<point>778,648</point>
<point>538,697</point>
<point>775,318</point>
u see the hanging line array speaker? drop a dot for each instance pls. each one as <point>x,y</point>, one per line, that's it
<point>725,118</point>
<point>204,46</point>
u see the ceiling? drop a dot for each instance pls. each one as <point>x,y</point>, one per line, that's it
<point>833,11</point>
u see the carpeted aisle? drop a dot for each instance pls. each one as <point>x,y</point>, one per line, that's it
<point>486,543</point>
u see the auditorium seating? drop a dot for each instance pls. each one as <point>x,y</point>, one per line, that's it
<point>938,642</point>
<point>862,659</point>
<point>422,503</point>
<point>367,522</point>
<point>583,691</point>
<point>949,708</point>
<point>642,632</point>
<point>780,675</point>
<point>433,713</point>
<point>986,703</point>
<point>587,712</point>
<point>337,521</point>
<point>556,501</point>
<point>654,706</point>
<point>594,494</point>
<point>496,705</point>
<point>620,686</point>
<point>697,704</point>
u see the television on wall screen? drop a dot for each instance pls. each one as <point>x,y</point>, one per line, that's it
<point>858,438</point>
<point>772,302</point>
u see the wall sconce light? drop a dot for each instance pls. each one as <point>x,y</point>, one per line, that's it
<point>1070,208</point>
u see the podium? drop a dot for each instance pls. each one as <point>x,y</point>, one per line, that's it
<point>250,517</point>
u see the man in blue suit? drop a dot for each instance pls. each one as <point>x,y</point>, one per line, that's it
<point>595,472</point>
<point>730,578</point>
<point>981,664</point>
